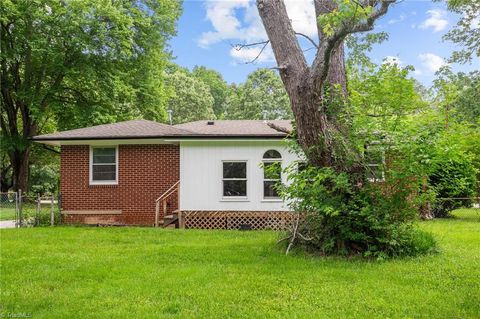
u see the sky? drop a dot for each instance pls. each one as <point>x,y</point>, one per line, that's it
<point>209,29</point>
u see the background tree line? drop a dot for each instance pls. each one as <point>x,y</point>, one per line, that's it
<point>76,64</point>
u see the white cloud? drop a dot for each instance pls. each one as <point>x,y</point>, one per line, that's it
<point>238,21</point>
<point>436,20</point>
<point>302,15</point>
<point>392,60</point>
<point>417,72</point>
<point>226,25</point>
<point>404,16</point>
<point>252,53</point>
<point>431,62</point>
<point>475,23</point>
<point>400,19</point>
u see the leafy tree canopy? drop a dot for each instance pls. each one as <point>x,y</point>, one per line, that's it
<point>382,98</point>
<point>359,46</point>
<point>190,98</point>
<point>218,87</point>
<point>261,96</point>
<point>467,31</point>
<point>79,63</point>
<point>458,95</point>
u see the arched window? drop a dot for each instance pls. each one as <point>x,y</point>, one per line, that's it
<point>272,173</point>
<point>272,154</point>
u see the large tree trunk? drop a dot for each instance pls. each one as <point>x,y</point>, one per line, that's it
<point>313,127</point>
<point>20,164</point>
<point>336,72</point>
<point>5,180</point>
<point>321,133</point>
<point>18,126</point>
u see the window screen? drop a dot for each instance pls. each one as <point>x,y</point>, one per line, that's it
<point>104,164</point>
<point>272,173</point>
<point>234,179</point>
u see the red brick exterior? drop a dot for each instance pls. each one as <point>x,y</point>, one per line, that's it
<point>145,172</point>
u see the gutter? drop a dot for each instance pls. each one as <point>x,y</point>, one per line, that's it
<point>164,137</point>
<point>50,149</point>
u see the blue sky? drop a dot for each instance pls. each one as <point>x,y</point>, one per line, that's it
<point>208,29</point>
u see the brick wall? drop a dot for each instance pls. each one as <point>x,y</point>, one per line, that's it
<point>145,172</point>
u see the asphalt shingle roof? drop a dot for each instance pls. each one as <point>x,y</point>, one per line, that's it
<point>236,127</point>
<point>128,129</point>
<point>149,129</point>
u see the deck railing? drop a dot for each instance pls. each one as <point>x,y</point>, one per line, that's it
<point>162,201</point>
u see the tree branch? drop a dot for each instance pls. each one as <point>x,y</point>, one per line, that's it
<point>330,43</point>
<point>336,72</point>
<point>279,128</point>
<point>285,46</point>
<point>308,38</point>
<point>239,47</point>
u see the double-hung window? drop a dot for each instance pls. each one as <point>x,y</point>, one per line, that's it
<point>103,165</point>
<point>234,179</point>
<point>272,174</point>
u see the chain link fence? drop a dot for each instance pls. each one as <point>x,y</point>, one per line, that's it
<point>8,206</point>
<point>29,211</point>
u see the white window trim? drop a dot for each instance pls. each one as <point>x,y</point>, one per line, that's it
<point>272,200</point>
<point>376,180</point>
<point>270,179</point>
<point>90,166</point>
<point>234,198</point>
<point>271,160</point>
<point>372,165</point>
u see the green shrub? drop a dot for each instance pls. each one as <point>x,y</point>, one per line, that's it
<point>44,179</point>
<point>452,177</point>
<point>373,220</point>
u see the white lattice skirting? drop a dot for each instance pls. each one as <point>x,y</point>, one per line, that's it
<point>274,220</point>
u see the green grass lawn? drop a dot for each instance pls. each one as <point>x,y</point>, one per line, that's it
<point>28,211</point>
<point>7,213</point>
<point>82,272</point>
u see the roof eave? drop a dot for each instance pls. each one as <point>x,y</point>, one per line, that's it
<point>57,141</point>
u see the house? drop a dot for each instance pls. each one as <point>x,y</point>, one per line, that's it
<point>204,174</point>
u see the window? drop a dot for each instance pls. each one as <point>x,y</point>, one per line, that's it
<point>103,165</point>
<point>272,173</point>
<point>375,159</point>
<point>235,179</point>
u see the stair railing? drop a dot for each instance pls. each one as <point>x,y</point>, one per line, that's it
<point>163,200</point>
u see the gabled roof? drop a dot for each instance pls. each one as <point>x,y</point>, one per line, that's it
<point>143,129</point>
<point>121,130</point>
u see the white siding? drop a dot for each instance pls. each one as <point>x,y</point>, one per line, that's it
<point>201,174</point>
